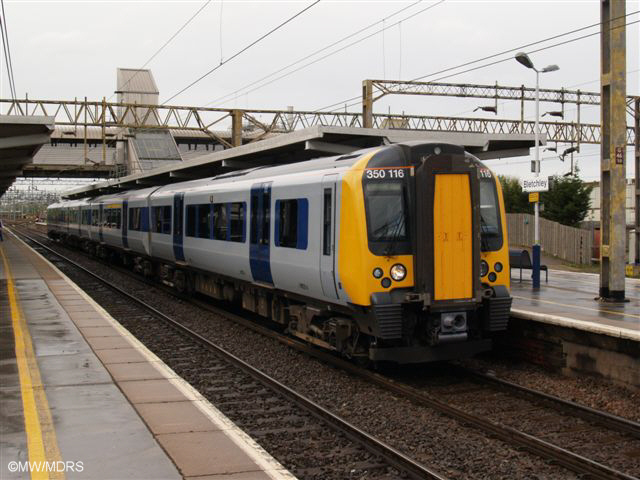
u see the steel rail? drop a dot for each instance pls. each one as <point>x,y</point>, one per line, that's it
<point>394,457</point>
<point>614,422</point>
<point>511,436</point>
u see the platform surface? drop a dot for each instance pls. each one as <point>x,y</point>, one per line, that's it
<point>569,299</point>
<point>76,387</point>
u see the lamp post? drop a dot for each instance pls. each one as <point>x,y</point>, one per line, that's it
<point>524,59</point>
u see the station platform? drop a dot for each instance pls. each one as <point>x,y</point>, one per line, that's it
<point>82,398</point>
<point>569,299</point>
<point>564,325</point>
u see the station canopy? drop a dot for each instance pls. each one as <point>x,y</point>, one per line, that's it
<point>20,139</point>
<point>312,142</point>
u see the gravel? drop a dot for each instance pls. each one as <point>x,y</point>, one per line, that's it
<point>437,441</point>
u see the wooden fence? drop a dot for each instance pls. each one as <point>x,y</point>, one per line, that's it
<point>571,244</point>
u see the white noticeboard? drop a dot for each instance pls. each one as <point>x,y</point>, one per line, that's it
<point>535,184</point>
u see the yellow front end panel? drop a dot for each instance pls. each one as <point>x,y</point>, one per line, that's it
<point>452,235</point>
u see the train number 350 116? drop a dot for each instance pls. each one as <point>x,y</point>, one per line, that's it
<point>380,174</point>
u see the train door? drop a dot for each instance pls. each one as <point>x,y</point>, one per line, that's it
<point>178,220</point>
<point>260,238</point>
<point>452,237</point>
<point>125,223</point>
<point>328,232</point>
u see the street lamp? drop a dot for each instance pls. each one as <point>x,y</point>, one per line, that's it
<point>524,59</point>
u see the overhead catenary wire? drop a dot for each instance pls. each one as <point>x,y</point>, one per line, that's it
<point>258,40</point>
<point>351,35</point>
<point>6,60</point>
<point>7,52</point>
<point>484,65</point>
<point>488,57</point>
<point>184,25</point>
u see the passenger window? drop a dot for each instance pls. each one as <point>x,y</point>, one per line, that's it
<point>191,221</point>
<point>220,221</point>
<point>134,219</point>
<point>287,211</point>
<point>254,219</point>
<point>204,220</point>
<point>266,217</point>
<point>236,214</point>
<point>292,223</point>
<point>162,220</point>
<point>166,220</point>
<point>326,222</point>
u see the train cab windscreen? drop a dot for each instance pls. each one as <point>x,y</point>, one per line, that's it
<point>491,232</point>
<point>386,209</point>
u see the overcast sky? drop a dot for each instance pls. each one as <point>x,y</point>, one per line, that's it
<point>63,50</point>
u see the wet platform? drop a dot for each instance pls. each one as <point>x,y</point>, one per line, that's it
<point>569,299</point>
<point>563,325</point>
<point>82,398</point>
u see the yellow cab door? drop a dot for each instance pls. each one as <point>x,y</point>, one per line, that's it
<point>452,231</point>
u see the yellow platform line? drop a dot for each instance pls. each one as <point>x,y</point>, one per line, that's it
<point>41,436</point>
<point>591,309</point>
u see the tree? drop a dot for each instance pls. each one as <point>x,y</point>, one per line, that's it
<point>515,200</point>
<point>567,201</point>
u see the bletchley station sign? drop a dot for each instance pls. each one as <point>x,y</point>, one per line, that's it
<point>535,184</point>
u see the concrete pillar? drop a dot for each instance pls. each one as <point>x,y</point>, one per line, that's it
<point>236,127</point>
<point>612,148</point>
<point>367,104</point>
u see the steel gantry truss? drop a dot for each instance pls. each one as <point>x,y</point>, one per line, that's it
<point>229,127</point>
<point>373,90</point>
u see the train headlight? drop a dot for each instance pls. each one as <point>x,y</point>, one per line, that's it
<point>377,272</point>
<point>497,267</point>
<point>484,268</point>
<point>398,272</point>
<point>492,277</point>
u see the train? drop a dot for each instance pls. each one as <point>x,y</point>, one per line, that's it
<point>396,253</point>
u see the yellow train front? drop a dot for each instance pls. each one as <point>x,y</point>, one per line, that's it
<point>422,254</point>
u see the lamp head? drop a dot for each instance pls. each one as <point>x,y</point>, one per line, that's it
<point>524,59</point>
<point>551,68</point>
<point>489,108</point>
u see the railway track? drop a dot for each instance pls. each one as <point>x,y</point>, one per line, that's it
<point>469,398</point>
<point>311,441</point>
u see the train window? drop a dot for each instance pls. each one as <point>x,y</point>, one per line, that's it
<point>220,221</point>
<point>162,219</point>
<point>326,222</point>
<point>254,219</point>
<point>386,213</point>
<point>236,221</point>
<point>287,218</point>
<point>204,220</point>
<point>178,219</point>
<point>114,218</point>
<point>95,217</point>
<point>134,219</point>
<point>490,228</point>
<point>292,223</point>
<point>191,221</point>
<point>266,217</point>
